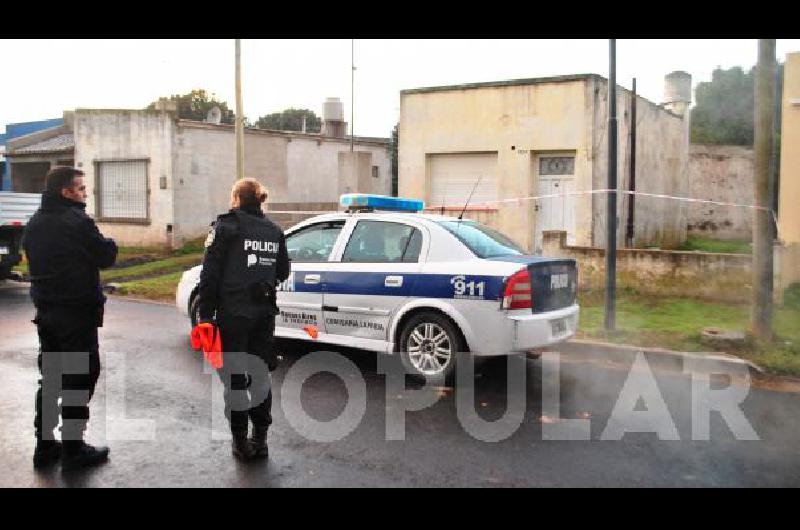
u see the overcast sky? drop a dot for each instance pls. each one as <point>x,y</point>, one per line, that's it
<point>44,77</point>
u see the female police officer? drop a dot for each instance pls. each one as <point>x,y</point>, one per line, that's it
<point>244,260</point>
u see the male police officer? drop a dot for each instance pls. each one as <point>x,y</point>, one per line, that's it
<point>245,258</point>
<point>65,250</point>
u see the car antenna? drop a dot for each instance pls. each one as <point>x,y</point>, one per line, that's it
<point>444,196</point>
<point>470,197</point>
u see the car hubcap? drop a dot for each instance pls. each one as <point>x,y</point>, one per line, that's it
<point>429,349</point>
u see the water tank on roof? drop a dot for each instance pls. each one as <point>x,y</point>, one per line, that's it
<point>214,115</point>
<point>333,110</point>
<point>677,87</point>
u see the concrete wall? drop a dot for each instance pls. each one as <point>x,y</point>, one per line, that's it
<point>299,170</point>
<point>662,160</point>
<point>788,211</point>
<point>129,134</point>
<point>788,258</point>
<point>314,169</point>
<point>520,121</point>
<point>721,173</point>
<point>531,118</point>
<point>195,162</point>
<point>716,277</point>
<point>205,170</point>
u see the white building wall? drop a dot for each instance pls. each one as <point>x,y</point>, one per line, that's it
<point>198,166</point>
<point>104,135</point>
<point>313,168</point>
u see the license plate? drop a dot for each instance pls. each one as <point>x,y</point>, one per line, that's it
<point>558,326</point>
<point>3,251</point>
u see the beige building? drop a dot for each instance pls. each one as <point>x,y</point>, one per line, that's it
<point>788,251</point>
<point>158,180</point>
<point>534,137</point>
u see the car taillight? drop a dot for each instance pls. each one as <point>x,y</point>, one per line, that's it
<point>518,292</point>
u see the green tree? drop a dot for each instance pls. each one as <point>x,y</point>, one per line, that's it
<point>290,120</point>
<point>196,104</point>
<point>725,108</point>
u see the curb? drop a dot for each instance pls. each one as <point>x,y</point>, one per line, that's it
<point>139,300</point>
<point>660,356</point>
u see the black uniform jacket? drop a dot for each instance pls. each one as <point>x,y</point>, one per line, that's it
<point>65,251</point>
<point>245,258</point>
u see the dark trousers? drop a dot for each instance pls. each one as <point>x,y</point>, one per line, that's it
<point>248,344</point>
<point>69,364</point>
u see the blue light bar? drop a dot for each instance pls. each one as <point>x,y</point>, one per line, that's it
<point>355,201</point>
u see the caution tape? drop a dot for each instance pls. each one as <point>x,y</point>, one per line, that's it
<point>520,200</point>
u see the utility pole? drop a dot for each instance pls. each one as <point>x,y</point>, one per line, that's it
<point>611,205</point>
<point>239,116</point>
<point>632,172</point>
<point>352,93</point>
<point>763,234</point>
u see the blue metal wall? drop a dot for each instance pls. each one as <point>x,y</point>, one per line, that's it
<point>15,130</point>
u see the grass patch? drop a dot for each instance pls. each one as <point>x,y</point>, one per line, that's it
<point>163,266</point>
<point>791,296</point>
<point>158,288</point>
<point>676,323</point>
<point>704,244</point>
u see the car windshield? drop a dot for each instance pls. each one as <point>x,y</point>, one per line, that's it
<point>485,242</point>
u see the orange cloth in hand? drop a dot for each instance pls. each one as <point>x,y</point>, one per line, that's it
<point>312,331</point>
<point>206,336</point>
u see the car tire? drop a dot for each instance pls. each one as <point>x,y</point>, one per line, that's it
<point>194,309</point>
<point>419,352</point>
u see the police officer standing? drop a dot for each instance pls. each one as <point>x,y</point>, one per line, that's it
<point>245,259</point>
<point>65,251</point>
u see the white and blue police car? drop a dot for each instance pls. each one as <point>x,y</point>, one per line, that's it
<point>383,277</point>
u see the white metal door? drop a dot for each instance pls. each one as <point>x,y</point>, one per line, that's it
<point>453,177</point>
<point>555,177</point>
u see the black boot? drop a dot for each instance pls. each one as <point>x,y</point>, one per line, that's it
<point>259,441</point>
<point>47,453</point>
<point>241,447</point>
<point>78,454</point>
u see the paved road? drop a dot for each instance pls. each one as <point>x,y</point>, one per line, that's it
<point>165,382</point>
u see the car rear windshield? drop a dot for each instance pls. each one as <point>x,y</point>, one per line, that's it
<point>485,242</point>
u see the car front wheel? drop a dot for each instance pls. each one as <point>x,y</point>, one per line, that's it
<point>194,310</point>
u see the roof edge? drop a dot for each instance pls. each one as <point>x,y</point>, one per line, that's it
<point>510,82</point>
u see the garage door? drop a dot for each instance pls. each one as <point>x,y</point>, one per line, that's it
<point>453,176</point>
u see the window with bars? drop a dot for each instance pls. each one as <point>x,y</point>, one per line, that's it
<point>122,187</point>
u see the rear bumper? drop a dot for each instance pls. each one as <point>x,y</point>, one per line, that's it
<point>524,331</point>
<point>533,331</point>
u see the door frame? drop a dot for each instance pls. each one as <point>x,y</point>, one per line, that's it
<point>536,180</point>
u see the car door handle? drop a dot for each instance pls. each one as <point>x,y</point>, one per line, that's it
<point>311,279</point>
<point>393,281</point>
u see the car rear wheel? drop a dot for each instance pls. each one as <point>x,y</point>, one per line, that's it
<point>430,345</point>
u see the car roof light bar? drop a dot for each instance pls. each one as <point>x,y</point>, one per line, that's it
<point>367,201</point>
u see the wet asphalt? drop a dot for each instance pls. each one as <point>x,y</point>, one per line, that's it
<point>151,374</point>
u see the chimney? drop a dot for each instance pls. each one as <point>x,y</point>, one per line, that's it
<point>678,92</point>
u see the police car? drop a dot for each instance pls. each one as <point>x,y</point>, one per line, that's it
<point>383,277</point>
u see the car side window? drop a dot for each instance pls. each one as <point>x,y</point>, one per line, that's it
<point>383,242</point>
<point>313,243</point>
